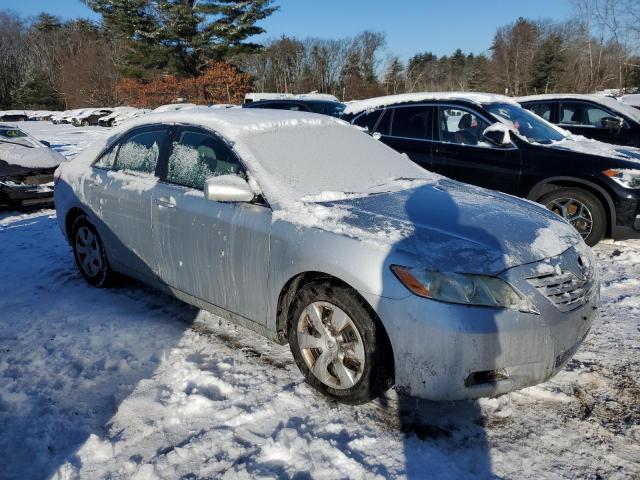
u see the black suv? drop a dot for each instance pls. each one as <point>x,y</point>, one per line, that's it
<point>601,118</point>
<point>492,142</point>
<point>324,107</point>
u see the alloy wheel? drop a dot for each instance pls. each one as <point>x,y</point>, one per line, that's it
<point>575,212</point>
<point>88,251</point>
<point>331,345</point>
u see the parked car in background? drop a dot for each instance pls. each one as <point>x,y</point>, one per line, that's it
<point>490,141</point>
<point>41,115</point>
<point>324,107</point>
<point>172,107</point>
<point>26,168</point>
<point>310,232</point>
<point>89,117</point>
<point>66,116</point>
<point>260,96</point>
<point>598,117</point>
<point>128,115</point>
<point>107,120</point>
<point>13,116</point>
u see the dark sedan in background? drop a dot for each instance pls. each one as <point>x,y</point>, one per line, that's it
<point>324,107</point>
<point>490,141</point>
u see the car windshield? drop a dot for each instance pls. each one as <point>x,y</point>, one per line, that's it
<point>308,160</point>
<point>530,126</point>
<point>11,133</point>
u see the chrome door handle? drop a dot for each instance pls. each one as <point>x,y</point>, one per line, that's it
<point>164,202</point>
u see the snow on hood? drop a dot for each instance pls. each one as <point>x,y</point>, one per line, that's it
<point>373,103</point>
<point>28,152</point>
<point>446,225</point>
<point>578,143</point>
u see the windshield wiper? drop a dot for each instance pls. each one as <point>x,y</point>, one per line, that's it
<point>16,143</point>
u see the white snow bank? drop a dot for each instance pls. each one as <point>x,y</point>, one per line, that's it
<point>373,103</point>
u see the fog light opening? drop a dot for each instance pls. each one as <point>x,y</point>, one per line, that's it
<point>486,376</point>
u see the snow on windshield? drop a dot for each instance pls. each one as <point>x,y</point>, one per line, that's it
<point>528,125</point>
<point>332,157</point>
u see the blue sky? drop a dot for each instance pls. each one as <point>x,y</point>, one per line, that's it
<point>411,25</point>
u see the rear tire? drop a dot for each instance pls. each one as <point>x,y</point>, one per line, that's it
<point>338,344</point>
<point>90,254</point>
<point>581,209</point>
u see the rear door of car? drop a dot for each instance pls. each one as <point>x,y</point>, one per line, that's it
<point>119,191</point>
<point>215,251</point>
<point>461,153</point>
<point>408,129</point>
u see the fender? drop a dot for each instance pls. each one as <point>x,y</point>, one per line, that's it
<point>538,190</point>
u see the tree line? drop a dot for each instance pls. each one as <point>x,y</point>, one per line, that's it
<point>148,52</point>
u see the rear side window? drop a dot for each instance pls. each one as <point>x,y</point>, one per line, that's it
<point>583,114</point>
<point>541,109</point>
<point>368,120</point>
<point>411,122</point>
<point>196,156</point>
<point>140,151</point>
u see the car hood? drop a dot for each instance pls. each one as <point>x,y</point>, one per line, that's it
<point>587,146</point>
<point>16,158</point>
<point>450,226</point>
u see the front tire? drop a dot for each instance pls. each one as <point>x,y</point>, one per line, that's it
<point>90,254</point>
<point>338,343</point>
<point>581,209</point>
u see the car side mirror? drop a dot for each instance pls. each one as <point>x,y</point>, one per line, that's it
<point>228,188</point>
<point>497,135</point>
<point>612,123</point>
<point>45,143</point>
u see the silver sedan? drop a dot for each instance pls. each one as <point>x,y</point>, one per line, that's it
<point>310,232</point>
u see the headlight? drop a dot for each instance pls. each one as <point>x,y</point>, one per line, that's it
<point>463,288</point>
<point>626,177</point>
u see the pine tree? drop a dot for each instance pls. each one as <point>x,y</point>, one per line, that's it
<point>394,77</point>
<point>181,36</point>
<point>549,66</point>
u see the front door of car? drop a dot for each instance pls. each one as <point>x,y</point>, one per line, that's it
<point>586,118</point>
<point>215,251</point>
<point>409,130</point>
<point>119,190</point>
<point>461,153</point>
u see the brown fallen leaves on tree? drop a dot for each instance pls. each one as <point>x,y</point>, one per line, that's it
<point>218,83</point>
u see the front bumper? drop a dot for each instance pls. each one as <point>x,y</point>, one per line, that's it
<point>627,206</point>
<point>30,191</point>
<point>451,352</point>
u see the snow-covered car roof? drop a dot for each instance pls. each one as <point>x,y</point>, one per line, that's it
<point>7,113</point>
<point>173,106</point>
<point>274,142</point>
<point>608,102</point>
<point>373,103</point>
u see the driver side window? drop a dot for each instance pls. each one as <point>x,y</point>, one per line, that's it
<point>461,127</point>
<point>582,114</point>
<point>196,156</point>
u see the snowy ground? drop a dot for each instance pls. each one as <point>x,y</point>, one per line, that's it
<point>129,383</point>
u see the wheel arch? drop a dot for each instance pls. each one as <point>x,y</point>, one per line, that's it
<point>297,282</point>
<point>554,183</point>
<point>70,218</point>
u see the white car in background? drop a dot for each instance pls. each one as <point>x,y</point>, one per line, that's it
<point>124,116</point>
<point>89,116</point>
<point>107,120</point>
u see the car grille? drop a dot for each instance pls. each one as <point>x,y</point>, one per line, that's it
<point>570,286</point>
